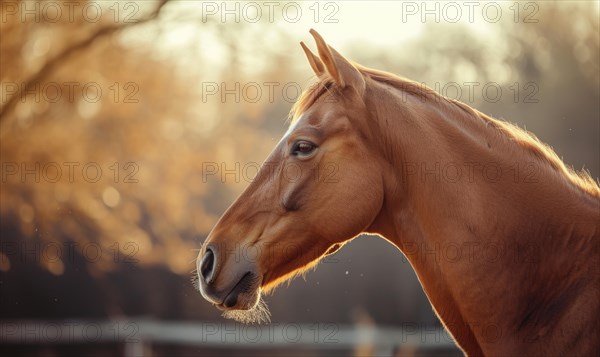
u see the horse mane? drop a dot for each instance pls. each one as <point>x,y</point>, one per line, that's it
<point>525,139</point>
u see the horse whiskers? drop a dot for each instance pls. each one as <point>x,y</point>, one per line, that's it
<point>195,280</point>
<point>259,314</point>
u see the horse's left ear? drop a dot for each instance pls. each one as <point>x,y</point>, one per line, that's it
<point>315,62</point>
<point>344,73</point>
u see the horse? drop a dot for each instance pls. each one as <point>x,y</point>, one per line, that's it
<point>502,235</point>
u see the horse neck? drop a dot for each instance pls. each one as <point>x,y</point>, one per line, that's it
<point>470,238</point>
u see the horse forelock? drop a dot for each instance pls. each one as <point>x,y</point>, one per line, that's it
<point>310,96</point>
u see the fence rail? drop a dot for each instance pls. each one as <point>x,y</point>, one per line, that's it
<point>139,335</point>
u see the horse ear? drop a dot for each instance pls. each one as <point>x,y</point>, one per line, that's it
<point>344,73</point>
<point>314,61</point>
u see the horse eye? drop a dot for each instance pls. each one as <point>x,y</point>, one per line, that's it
<point>303,148</point>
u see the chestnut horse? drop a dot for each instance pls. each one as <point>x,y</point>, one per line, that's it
<point>502,235</point>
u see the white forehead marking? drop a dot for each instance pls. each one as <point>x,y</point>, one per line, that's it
<point>292,127</point>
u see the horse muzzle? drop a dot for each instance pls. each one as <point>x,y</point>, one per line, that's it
<point>229,284</point>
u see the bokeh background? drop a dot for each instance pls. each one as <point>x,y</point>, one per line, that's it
<point>112,113</point>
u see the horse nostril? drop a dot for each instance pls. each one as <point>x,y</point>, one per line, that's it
<point>207,266</point>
